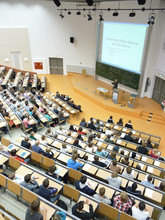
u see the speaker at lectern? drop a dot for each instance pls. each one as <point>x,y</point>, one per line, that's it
<point>117,96</point>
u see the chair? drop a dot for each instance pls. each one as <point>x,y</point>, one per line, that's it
<point>13,187</point>
<point>47,162</point>
<point>14,163</point>
<point>108,211</point>
<point>37,158</point>
<point>28,196</point>
<point>124,216</point>
<point>74,174</point>
<point>71,193</point>
<point>5,142</point>
<point>2,180</point>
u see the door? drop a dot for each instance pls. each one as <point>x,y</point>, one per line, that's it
<point>159,90</point>
<point>56,65</point>
<point>16,59</point>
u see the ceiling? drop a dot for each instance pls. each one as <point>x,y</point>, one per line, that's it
<point>83,1</point>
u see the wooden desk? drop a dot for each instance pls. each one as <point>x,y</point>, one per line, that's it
<point>109,192</point>
<point>11,147</point>
<point>159,164</point>
<point>23,153</point>
<point>56,144</point>
<point>61,137</point>
<point>153,195</point>
<point>131,146</point>
<point>19,139</point>
<point>102,90</point>
<point>147,159</point>
<point>153,171</point>
<point>50,210</point>
<point>3,159</point>
<point>121,143</point>
<point>69,140</point>
<point>140,187</point>
<point>102,144</point>
<point>62,170</point>
<point>143,166</point>
<point>2,124</point>
<point>63,158</point>
<point>22,170</point>
<point>86,207</point>
<point>142,176</point>
<point>126,130</point>
<point>90,169</point>
<point>116,127</point>
<point>123,182</point>
<point>103,174</point>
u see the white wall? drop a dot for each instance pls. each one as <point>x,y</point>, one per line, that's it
<point>49,35</point>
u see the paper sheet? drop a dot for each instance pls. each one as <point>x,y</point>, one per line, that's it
<point>148,192</point>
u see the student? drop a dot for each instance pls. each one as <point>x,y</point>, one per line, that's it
<point>49,132</point>
<point>97,162</point>
<point>125,160</point>
<point>128,124</point>
<point>36,148</point>
<point>48,153</point>
<point>100,152</point>
<point>80,131</point>
<point>120,122</point>
<point>128,174</point>
<point>30,184</point>
<point>112,156</point>
<point>91,126</point>
<point>114,167</point>
<point>148,182</point>
<point>154,153</point>
<point>128,137</point>
<point>77,210</point>
<point>64,148</point>
<point>142,149</point>
<point>48,192</point>
<point>110,120</point>
<point>51,171</point>
<point>72,163</point>
<point>115,84</point>
<point>44,140</point>
<point>26,143</point>
<point>16,178</point>
<point>102,197</point>
<point>161,186</point>
<point>34,212</point>
<point>85,186</point>
<point>89,148</point>
<point>132,190</point>
<point>149,144</point>
<point>139,212</point>
<point>122,202</point>
<point>76,143</point>
<point>28,124</point>
<point>72,128</point>
<point>114,180</point>
<point>32,135</point>
<point>13,154</point>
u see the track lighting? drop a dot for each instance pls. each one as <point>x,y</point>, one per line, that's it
<point>115,13</point>
<point>89,16</point>
<point>69,13</point>
<point>132,14</point>
<point>78,13</point>
<point>57,3</point>
<point>89,2</point>
<point>101,16</point>
<point>151,19</point>
<point>61,15</point>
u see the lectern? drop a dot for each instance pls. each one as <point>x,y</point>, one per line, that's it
<point>132,101</point>
<point>117,96</point>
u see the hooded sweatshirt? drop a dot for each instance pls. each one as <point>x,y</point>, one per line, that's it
<point>74,164</point>
<point>115,182</point>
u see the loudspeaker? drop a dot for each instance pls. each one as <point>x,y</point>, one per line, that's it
<point>71,40</point>
<point>89,2</point>
<point>141,2</point>
<point>148,81</point>
<point>57,3</point>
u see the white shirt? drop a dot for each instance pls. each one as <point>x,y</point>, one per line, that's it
<point>89,149</point>
<point>18,179</point>
<point>138,214</point>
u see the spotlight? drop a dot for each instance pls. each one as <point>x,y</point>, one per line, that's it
<point>89,17</point>
<point>141,2</point>
<point>151,19</point>
<point>101,16</point>
<point>143,9</point>
<point>108,9</point>
<point>78,13</point>
<point>61,15</point>
<point>69,13</point>
<point>132,14</point>
<point>89,2</point>
<point>115,13</point>
<point>57,3</point>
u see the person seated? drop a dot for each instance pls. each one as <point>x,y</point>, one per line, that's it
<point>49,132</point>
<point>161,186</point>
<point>13,154</point>
<point>120,122</point>
<point>133,155</point>
<point>154,153</point>
<point>108,140</point>
<point>36,148</point>
<point>149,144</point>
<point>99,129</point>
<point>97,162</point>
<point>77,210</point>
<point>74,163</point>
<point>91,125</point>
<point>142,149</point>
<point>28,124</point>
<point>110,120</point>
<point>97,123</point>
<point>114,167</point>
<point>137,140</point>
<point>112,156</point>
<point>80,131</point>
<point>16,178</point>
<point>114,180</point>
<point>76,143</point>
<point>30,183</point>
<point>89,148</point>
<point>122,202</point>
<point>85,186</point>
<point>102,197</point>
<point>128,137</point>
<point>78,107</point>
<point>72,128</point>
<point>64,148</point>
<point>32,135</point>
<point>34,212</point>
<point>109,132</point>
<point>57,94</point>
<point>116,148</point>
<point>79,137</point>
<point>127,173</point>
<point>48,153</point>
<point>125,160</point>
<point>100,152</point>
<point>44,140</point>
<point>26,143</point>
<point>98,137</point>
<point>148,181</point>
<point>48,192</point>
<point>51,171</point>
<point>122,152</point>
<point>128,124</point>
<point>132,190</point>
<point>89,133</point>
<point>83,123</point>
<point>140,211</point>
<point>90,139</point>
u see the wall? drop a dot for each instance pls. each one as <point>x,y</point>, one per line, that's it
<point>49,35</point>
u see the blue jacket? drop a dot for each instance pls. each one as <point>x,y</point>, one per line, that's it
<point>85,189</point>
<point>74,164</point>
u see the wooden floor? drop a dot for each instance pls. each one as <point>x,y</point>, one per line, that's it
<point>82,90</point>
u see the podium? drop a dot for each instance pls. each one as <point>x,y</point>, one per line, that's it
<point>133,101</point>
<point>117,96</point>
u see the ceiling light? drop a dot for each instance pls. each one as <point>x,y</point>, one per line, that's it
<point>101,16</point>
<point>61,15</point>
<point>132,14</point>
<point>115,13</point>
<point>141,2</point>
<point>89,2</point>
<point>57,3</point>
<point>69,13</point>
<point>89,17</point>
<point>78,13</point>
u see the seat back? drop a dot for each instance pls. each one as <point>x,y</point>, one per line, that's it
<point>47,162</point>
<point>124,216</point>
<point>74,174</point>
<point>13,187</point>
<point>14,163</point>
<point>36,157</point>
<point>2,181</point>
<point>108,211</point>
<point>28,196</point>
<point>71,192</point>
<point>5,142</point>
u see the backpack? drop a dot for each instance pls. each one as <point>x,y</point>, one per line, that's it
<point>62,205</point>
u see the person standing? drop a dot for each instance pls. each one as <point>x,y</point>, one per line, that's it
<point>115,84</point>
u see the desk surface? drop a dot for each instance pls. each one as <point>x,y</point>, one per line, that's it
<point>86,207</point>
<point>109,192</point>
<point>90,169</point>
<point>22,170</point>
<point>3,159</point>
<point>23,153</point>
<point>50,210</point>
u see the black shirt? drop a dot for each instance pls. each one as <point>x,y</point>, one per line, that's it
<point>83,215</point>
<point>142,150</point>
<point>25,144</point>
<point>99,163</point>
<point>135,193</point>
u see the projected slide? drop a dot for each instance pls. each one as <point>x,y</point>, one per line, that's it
<point>123,45</point>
